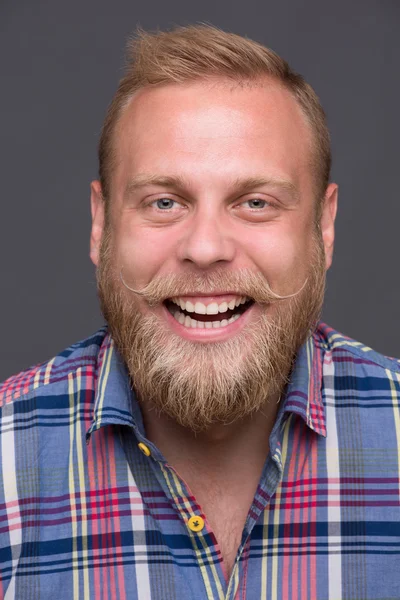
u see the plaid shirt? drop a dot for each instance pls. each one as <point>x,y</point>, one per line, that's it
<point>85,514</point>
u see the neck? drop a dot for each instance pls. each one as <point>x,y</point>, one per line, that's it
<point>221,468</point>
<point>216,447</point>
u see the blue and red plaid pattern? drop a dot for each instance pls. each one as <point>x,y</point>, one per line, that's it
<point>85,514</point>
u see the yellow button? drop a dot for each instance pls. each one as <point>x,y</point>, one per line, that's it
<point>196,523</point>
<point>145,449</point>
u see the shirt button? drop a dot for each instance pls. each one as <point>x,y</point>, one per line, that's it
<point>145,449</point>
<point>196,523</point>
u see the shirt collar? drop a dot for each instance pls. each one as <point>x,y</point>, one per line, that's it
<point>304,391</point>
<point>116,404</point>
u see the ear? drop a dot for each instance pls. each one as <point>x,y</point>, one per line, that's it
<point>97,208</point>
<point>327,221</point>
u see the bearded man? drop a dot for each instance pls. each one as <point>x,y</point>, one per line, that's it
<point>215,440</point>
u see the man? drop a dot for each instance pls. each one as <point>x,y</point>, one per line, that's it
<point>215,440</point>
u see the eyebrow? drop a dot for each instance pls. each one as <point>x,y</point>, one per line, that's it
<point>248,184</point>
<point>143,180</point>
<point>241,186</point>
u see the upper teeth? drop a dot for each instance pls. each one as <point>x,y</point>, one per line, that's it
<point>210,309</point>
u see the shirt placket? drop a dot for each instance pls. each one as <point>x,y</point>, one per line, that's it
<point>190,514</point>
<point>270,479</point>
<point>201,535</point>
<point>202,538</point>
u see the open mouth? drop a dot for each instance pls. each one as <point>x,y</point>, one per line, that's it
<point>210,315</point>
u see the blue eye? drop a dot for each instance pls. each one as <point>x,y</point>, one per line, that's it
<point>257,203</point>
<point>165,203</point>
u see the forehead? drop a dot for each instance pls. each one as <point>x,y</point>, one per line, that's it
<point>212,130</point>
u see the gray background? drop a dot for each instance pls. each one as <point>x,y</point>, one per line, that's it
<point>60,62</point>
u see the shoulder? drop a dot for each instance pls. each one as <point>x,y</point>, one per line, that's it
<point>81,357</point>
<point>349,355</point>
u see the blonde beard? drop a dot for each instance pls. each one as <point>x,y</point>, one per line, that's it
<point>200,385</point>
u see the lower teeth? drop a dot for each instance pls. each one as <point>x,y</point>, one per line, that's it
<point>189,322</point>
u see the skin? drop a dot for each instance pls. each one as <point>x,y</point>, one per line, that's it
<point>212,136</point>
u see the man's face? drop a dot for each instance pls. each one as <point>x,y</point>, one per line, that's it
<point>212,206</point>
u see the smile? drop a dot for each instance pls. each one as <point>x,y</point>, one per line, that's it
<point>208,313</point>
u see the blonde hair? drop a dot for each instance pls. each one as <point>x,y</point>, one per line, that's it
<point>200,52</point>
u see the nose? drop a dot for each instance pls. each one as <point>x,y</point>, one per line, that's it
<point>207,241</point>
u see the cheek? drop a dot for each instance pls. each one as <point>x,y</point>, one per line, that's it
<point>143,253</point>
<point>282,257</point>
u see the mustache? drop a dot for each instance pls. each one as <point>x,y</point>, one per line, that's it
<point>242,282</point>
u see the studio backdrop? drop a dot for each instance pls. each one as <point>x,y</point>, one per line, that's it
<point>60,63</point>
